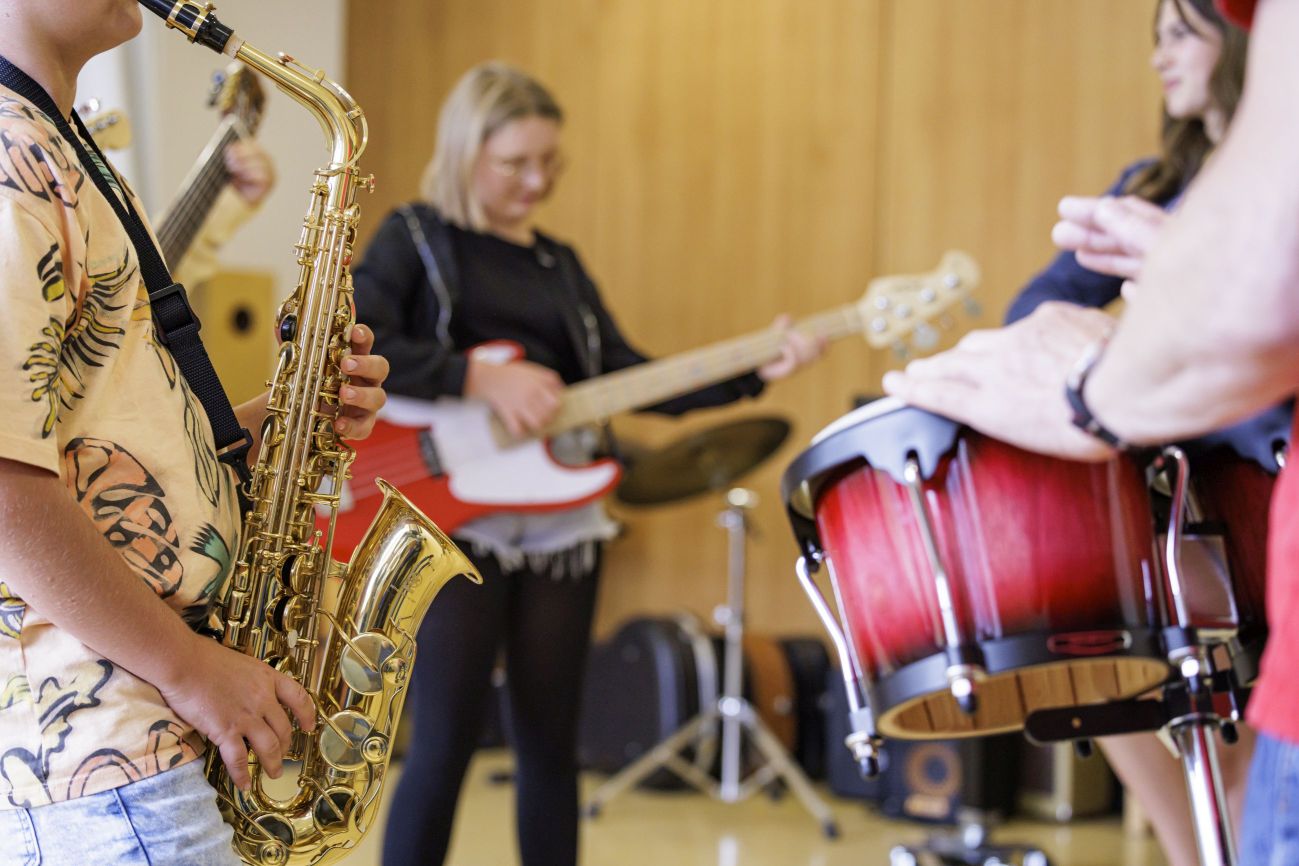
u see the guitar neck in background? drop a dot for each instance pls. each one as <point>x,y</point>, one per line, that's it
<point>655,381</point>
<point>206,180</point>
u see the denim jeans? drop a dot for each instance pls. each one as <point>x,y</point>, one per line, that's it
<point>170,819</point>
<point>1270,836</point>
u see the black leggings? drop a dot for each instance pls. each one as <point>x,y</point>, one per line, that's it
<point>544,625</point>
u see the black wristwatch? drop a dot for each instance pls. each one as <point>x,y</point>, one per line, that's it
<point>1083,418</point>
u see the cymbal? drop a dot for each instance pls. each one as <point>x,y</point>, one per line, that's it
<point>710,460</point>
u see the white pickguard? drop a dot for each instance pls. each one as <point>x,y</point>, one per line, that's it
<point>483,471</point>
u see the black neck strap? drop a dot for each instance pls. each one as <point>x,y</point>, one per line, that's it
<point>174,321</point>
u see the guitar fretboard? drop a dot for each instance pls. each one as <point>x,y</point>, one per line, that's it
<point>656,381</point>
<point>181,225</point>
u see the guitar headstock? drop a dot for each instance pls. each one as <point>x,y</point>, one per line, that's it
<point>110,129</point>
<point>238,91</point>
<point>895,307</point>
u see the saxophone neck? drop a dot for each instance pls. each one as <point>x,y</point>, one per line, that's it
<point>340,118</point>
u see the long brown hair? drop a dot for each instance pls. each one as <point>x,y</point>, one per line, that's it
<point>1186,144</point>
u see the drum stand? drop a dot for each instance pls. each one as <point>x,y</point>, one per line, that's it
<point>1188,708</point>
<point>732,712</point>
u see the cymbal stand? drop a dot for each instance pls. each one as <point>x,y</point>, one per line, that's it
<point>732,713</point>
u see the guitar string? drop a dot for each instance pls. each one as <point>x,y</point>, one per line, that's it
<point>699,365</point>
<point>197,201</point>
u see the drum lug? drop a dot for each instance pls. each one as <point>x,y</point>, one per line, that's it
<point>865,748</point>
<point>947,629</point>
<point>964,672</point>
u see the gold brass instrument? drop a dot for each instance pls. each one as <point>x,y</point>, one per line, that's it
<point>345,631</point>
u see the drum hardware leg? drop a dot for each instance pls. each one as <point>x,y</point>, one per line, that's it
<point>1213,834</point>
<point>965,668</point>
<point>968,845</point>
<point>732,713</point>
<point>863,741</point>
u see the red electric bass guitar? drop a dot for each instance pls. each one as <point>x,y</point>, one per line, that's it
<point>454,461</point>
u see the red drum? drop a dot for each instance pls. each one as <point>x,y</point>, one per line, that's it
<point>1047,564</point>
<point>1235,493</point>
<point>1231,477</point>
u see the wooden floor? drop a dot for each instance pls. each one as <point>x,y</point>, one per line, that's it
<point>686,829</point>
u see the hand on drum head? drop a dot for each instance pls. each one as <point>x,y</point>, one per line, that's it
<point>1009,382</point>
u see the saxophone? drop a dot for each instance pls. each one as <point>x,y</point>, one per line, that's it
<point>344,631</point>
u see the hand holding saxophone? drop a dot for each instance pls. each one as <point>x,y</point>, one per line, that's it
<point>237,702</point>
<point>363,396</point>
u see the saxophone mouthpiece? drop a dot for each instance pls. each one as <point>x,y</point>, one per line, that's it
<point>196,21</point>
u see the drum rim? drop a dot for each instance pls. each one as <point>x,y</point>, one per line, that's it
<point>932,438</point>
<point>915,681</point>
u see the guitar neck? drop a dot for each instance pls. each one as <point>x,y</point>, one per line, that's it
<point>655,381</point>
<point>179,228</point>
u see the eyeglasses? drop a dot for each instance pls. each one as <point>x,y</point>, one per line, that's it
<point>549,167</point>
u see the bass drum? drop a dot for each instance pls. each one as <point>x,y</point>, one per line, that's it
<point>955,556</point>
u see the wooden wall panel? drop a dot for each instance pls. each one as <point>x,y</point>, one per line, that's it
<point>993,110</point>
<point>732,159</point>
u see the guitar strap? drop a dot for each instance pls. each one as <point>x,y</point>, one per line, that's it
<point>175,324</point>
<point>432,273</point>
<point>583,326</point>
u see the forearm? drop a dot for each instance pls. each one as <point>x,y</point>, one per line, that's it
<point>1210,336</point>
<point>55,560</point>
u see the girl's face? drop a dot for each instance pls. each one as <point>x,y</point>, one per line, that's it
<point>516,169</point>
<point>1185,57</point>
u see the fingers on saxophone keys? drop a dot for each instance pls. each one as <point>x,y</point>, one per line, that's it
<point>361,339</point>
<point>366,369</point>
<point>234,754</point>
<point>292,695</point>
<point>266,744</point>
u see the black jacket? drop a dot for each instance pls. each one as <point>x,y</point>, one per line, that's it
<point>405,302</point>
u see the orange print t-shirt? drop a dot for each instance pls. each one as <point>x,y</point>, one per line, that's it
<point>87,392</point>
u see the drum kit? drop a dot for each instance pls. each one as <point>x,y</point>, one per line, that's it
<point>976,589</point>
<point>713,461</point>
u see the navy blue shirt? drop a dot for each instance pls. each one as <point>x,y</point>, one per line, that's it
<point>1066,280</point>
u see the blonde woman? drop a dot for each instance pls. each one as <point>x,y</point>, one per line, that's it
<point>467,265</point>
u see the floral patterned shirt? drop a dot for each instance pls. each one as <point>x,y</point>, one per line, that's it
<point>89,393</point>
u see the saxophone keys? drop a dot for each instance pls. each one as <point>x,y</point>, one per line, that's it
<point>343,740</point>
<point>333,810</point>
<point>375,748</point>
<point>366,659</point>
<point>273,850</point>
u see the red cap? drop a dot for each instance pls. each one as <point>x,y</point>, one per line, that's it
<point>1238,11</point>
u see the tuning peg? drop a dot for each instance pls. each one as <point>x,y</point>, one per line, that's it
<point>924,338</point>
<point>218,85</point>
<point>90,106</point>
<point>945,322</point>
<point>900,351</point>
<point>973,308</point>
